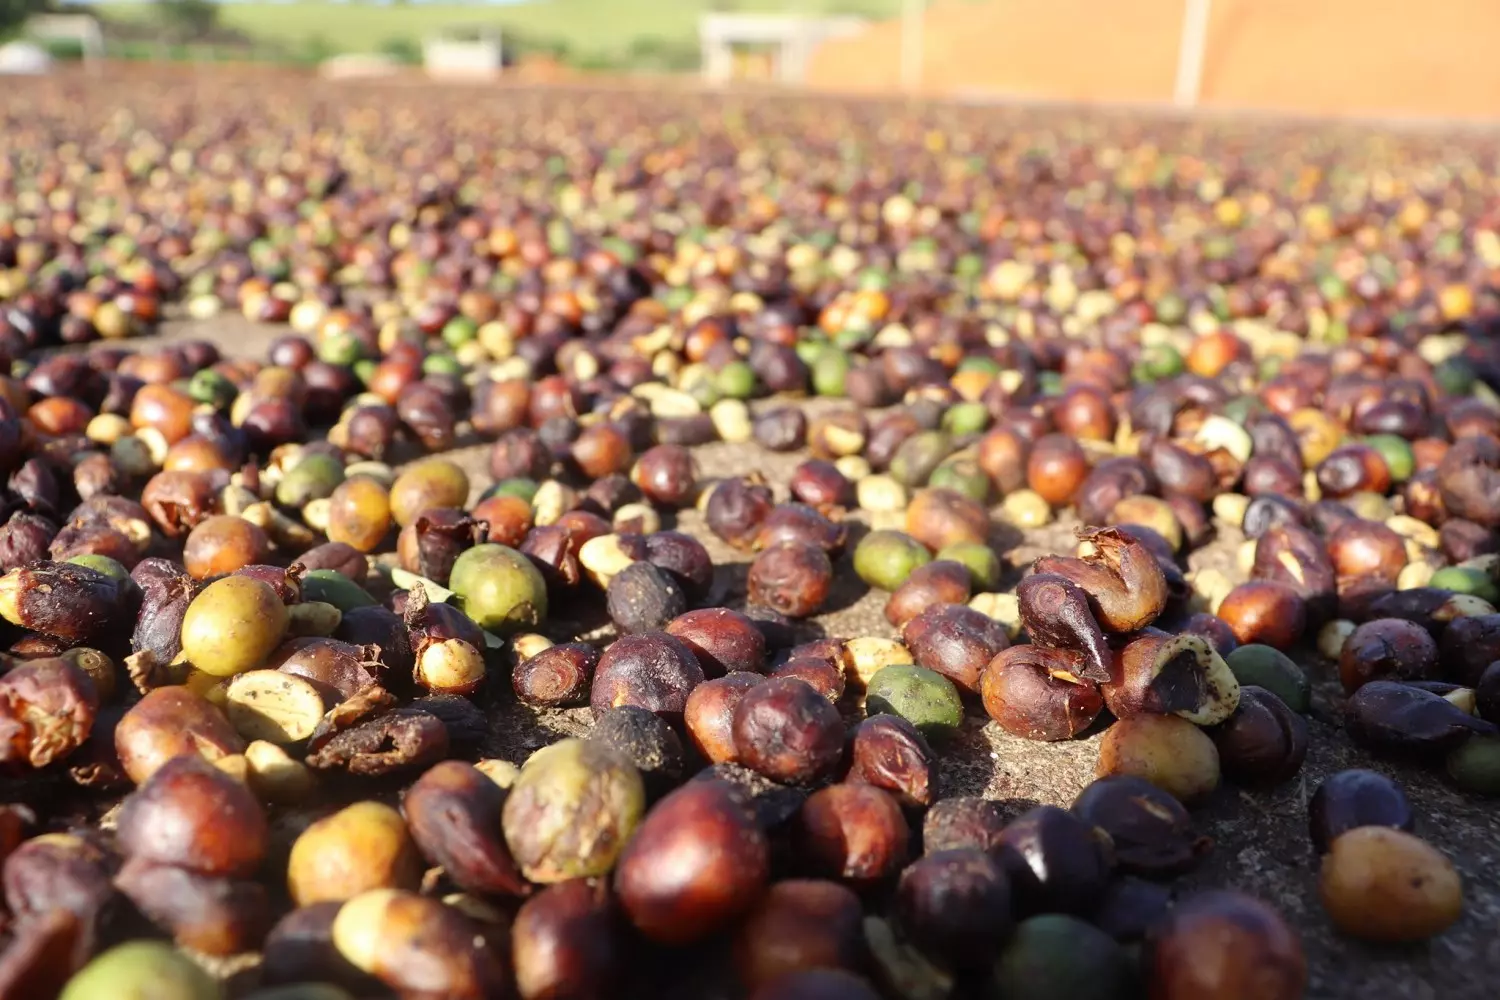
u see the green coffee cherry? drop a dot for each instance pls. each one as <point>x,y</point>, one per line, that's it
<point>102,564</point>
<point>459,331</point>
<point>1273,670</point>
<point>1157,362</point>
<point>736,380</point>
<point>966,418</point>
<point>141,970</point>
<point>1475,766</point>
<point>829,371</point>
<point>499,588</point>
<point>981,560</point>
<point>963,475</point>
<point>314,477</point>
<point>1465,580</point>
<point>334,588</point>
<point>1397,453</point>
<point>923,697</point>
<point>884,559</point>
<point>517,487</point>
<point>918,456</point>
<point>1057,957</point>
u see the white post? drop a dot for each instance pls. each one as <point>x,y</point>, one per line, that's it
<point>912,12</point>
<point>1190,53</point>
<point>791,57</point>
<point>712,47</point>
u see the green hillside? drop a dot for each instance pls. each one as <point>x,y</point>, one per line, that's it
<point>582,31</point>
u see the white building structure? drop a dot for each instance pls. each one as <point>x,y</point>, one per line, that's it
<point>790,40</point>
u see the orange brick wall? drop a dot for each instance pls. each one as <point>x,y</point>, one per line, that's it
<point>1437,58</point>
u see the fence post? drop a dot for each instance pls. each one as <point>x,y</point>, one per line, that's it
<point>1190,53</point>
<point>912,12</point>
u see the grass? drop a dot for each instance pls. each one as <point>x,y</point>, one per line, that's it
<point>589,31</point>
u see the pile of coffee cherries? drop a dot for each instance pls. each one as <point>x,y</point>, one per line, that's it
<point>384,634</point>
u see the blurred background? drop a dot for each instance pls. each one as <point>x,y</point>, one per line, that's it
<point>1432,59</point>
